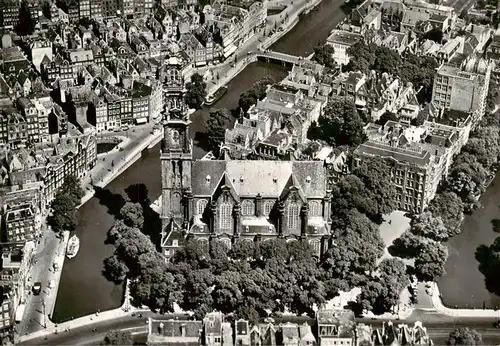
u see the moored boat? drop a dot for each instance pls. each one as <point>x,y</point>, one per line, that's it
<point>216,96</point>
<point>73,247</point>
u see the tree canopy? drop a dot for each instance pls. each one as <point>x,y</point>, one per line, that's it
<point>368,189</point>
<point>218,121</point>
<point>323,55</point>
<point>118,337</point>
<point>195,91</point>
<point>255,93</point>
<point>339,124</point>
<point>64,206</point>
<point>465,336</point>
<point>419,70</point>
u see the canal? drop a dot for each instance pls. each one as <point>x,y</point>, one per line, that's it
<point>463,285</point>
<point>83,289</point>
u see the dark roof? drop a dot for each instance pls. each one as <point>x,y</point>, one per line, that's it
<point>252,177</point>
<point>173,328</point>
<point>241,327</point>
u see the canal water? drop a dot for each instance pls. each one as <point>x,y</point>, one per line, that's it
<point>312,30</point>
<point>463,285</point>
<point>83,290</point>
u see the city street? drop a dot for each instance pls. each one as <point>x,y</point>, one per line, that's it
<point>438,328</point>
<point>50,250</point>
<point>226,71</point>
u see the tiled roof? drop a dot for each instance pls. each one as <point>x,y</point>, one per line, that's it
<point>268,178</point>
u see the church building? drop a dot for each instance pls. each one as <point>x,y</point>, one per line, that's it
<point>235,200</point>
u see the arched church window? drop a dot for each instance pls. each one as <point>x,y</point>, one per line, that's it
<point>201,205</point>
<point>314,208</point>
<point>225,216</point>
<point>293,216</point>
<point>247,208</point>
<point>316,246</point>
<point>268,206</point>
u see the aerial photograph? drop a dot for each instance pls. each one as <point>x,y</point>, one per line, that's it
<point>250,172</point>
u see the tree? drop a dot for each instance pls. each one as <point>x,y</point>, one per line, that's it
<point>489,264</point>
<point>115,270</point>
<point>465,336</point>
<point>451,210</point>
<point>339,124</point>
<point>376,176</point>
<point>430,261</point>
<point>435,34</point>
<point>323,55</point>
<point>63,216</point>
<point>406,246</point>
<point>130,246</point>
<point>357,246</point>
<point>218,121</point>
<point>429,226</point>
<point>132,215</point>
<point>255,93</point>
<point>387,116</point>
<point>25,22</point>
<point>118,337</point>
<point>195,91</point>
<point>72,187</point>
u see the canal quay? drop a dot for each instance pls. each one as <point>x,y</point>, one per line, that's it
<point>83,289</point>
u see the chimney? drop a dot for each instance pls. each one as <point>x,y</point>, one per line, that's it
<point>183,330</point>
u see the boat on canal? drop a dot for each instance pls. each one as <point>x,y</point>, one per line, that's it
<point>216,96</point>
<point>73,247</point>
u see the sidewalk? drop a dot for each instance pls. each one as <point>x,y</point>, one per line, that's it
<point>125,310</point>
<point>439,307</point>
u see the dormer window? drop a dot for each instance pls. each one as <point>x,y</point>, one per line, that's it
<point>242,179</point>
<point>208,178</point>
<point>275,180</point>
<point>308,179</point>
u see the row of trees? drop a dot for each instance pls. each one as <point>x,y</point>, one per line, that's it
<point>419,70</point>
<point>64,206</point>
<point>250,279</point>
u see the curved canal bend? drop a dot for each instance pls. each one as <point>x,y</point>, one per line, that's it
<point>83,290</point>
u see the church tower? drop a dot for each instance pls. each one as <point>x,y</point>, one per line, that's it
<point>176,154</point>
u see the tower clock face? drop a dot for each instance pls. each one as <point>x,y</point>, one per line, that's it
<point>175,137</point>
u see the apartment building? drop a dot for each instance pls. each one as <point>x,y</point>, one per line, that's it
<point>20,223</point>
<point>341,40</point>
<point>463,88</point>
<point>235,21</point>
<point>420,157</point>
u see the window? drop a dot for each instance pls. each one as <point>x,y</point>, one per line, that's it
<point>247,208</point>
<point>201,205</point>
<point>268,206</point>
<point>226,242</point>
<point>293,216</point>
<point>225,216</point>
<point>314,208</point>
<point>316,246</point>
<point>203,244</point>
<point>175,242</point>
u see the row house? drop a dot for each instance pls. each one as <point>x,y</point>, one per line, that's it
<point>19,221</point>
<point>420,158</point>
<point>14,278</point>
<point>235,24</point>
<point>366,16</point>
<point>9,13</point>
<point>393,334</point>
<point>14,129</point>
<point>58,69</point>
<point>309,81</point>
<point>417,12</point>
<point>201,48</point>
<point>72,155</point>
<point>14,61</point>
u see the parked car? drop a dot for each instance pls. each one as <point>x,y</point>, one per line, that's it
<point>37,288</point>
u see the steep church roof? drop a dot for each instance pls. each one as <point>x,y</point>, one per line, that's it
<point>269,178</point>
